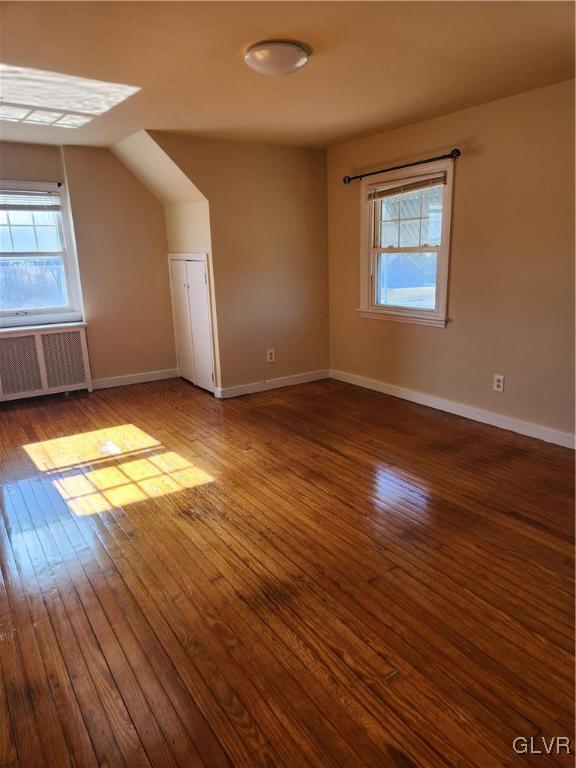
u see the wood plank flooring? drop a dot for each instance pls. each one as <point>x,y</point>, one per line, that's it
<point>314,576</point>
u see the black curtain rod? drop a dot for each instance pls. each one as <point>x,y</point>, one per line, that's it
<point>452,155</point>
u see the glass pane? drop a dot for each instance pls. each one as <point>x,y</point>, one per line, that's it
<point>431,230</point>
<point>432,200</point>
<point>390,208</point>
<point>3,217</point>
<point>24,240</point>
<point>20,217</point>
<point>48,239</point>
<point>406,280</point>
<point>45,217</point>
<point>389,234</point>
<point>37,283</point>
<point>432,209</point>
<point>410,234</point>
<point>5,240</point>
<point>410,205</point>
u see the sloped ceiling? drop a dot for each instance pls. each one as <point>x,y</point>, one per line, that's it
<point>141,154</point>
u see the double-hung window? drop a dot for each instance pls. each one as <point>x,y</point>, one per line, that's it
<point>406,242</point>
<point>38,270</point>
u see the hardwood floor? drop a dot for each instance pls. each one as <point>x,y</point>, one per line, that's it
<point>313,576</point>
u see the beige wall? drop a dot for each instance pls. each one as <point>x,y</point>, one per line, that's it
<point>30,162</point>
<point>121,242</point>
<point>511,303</point>
<point>188,227</point>
<point>268,228</point>
<point>511,288</point>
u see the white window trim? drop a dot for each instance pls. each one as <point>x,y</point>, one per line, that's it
<point>368,307</point>
<point>73,312</point>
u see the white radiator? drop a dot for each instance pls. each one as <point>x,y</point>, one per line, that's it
<point>39,360</point>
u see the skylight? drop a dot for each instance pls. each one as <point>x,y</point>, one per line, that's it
<point>38,97</point>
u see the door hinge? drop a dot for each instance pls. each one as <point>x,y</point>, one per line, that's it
<point>212,374</point>
<point>205,278</point>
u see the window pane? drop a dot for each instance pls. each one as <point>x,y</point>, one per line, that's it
<point>410,234</point>
<point>48,239</point>
<point>432,209</point>
<point>45,217</point>
<point>20,217</point>
<point>3,217</point>
<point>432,200</point>
<point>389,234</point>
<point>410,205</point>
<point>431,230</point>
<point>406,280</point>
<point>390,208</point>
<point>420,214</point>
<point>24,240</point>
<point>5,240</point>
<point>37,283</point>
<point>32,231</point>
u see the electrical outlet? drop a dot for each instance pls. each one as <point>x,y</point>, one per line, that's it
<point>270,355</point>
<point>498,385</point>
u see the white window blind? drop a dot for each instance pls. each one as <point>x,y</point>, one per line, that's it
<point>377,192</point>
<point>29,200</point>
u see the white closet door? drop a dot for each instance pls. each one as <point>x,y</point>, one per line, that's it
<point>200,322</point>
<point>182,326</point>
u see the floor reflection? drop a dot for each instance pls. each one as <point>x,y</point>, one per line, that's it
<point>394,486</point>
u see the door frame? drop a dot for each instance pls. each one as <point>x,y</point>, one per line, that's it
<point>206,258</point>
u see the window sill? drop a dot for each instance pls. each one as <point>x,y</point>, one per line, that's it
<point>31,319</point>
<point>12,329</point>
<point>403,317</point>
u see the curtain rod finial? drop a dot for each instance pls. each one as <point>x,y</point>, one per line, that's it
<point>455,153</point>
<point>346,179</point>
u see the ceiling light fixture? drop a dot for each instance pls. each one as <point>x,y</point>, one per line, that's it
<point>277,57</point>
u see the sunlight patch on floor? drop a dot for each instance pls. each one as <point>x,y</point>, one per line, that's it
<point>104,469</point>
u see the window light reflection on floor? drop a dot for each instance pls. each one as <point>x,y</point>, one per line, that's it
<point>393,485</point>
<point>97,471</point>
<point>39,97</point>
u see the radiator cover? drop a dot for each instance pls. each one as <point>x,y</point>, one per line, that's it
<point>39,360</point>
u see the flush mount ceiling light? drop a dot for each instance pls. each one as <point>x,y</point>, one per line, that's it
<point>277,57</point>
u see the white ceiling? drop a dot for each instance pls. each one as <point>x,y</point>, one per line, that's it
<point>375,65</point>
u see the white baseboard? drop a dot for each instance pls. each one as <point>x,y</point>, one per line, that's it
<point>261,386</point>
<point>566,439</point>
<point>136,378</point>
